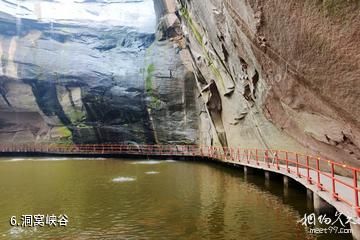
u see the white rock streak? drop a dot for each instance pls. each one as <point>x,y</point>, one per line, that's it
<point>137,14</point>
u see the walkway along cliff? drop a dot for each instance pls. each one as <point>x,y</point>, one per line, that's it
<point>255,74</point>
<point>222,79</point>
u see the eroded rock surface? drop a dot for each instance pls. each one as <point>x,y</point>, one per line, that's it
<point>287,72</point>
<point>258,74</point>
<point>82,78</point>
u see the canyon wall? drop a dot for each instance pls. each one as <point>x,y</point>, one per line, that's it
<point>255,74</point>
<point>95,74</point>
<point>277,74</point>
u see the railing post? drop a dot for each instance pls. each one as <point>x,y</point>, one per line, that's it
<point>308,170</point>
<point>320,186</point>
<point>267,158</point>
<point>356,192</point>
<point>335,195</point>
<point>287,162</point>
<point>248,156</point>
<point>297,165</point>
<point>277,160</point>
<point>257,157</point>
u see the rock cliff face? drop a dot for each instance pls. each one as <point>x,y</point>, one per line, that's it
<point>257,74</point>
<point>92,72</point>
<point>278,74</point>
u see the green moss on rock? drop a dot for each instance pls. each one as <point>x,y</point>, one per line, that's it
<point>149,75</point>
<point>338,8</point>
<point>63,135</point>
<point>194,29</point>
<point>76,116</point>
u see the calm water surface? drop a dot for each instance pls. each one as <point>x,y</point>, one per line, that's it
<point>122,199</point>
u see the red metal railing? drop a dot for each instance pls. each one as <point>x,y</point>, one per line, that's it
<point>326,175</point>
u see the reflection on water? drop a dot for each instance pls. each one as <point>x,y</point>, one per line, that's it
<point>117,199</point>
<point>49,159</point>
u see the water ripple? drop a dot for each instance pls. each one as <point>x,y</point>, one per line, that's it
<point>124,179</point>
<point>147,162</point>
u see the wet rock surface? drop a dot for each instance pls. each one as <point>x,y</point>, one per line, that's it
<point>82,81</point>
<point>287,74</point>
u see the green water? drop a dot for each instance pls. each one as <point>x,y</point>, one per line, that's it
<point>123,199</point>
